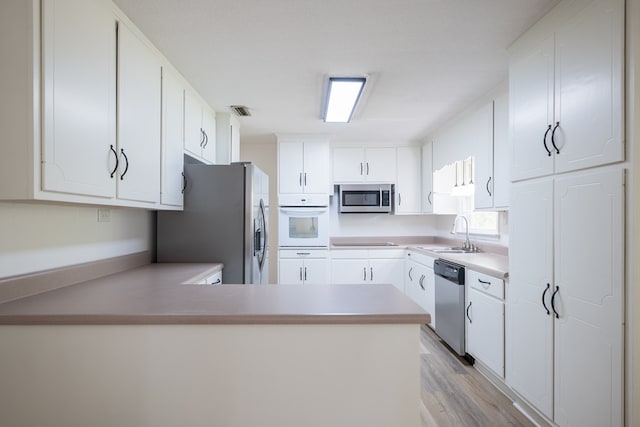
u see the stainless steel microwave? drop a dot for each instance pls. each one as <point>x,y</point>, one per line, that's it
<point>366,198</point>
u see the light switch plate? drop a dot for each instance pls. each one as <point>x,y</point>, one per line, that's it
<point>104,215</point>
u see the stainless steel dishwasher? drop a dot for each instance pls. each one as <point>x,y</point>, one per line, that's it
<point>449,296</point>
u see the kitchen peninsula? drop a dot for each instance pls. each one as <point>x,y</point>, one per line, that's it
<point>143,348</point>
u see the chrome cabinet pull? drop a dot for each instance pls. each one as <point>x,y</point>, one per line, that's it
<point>364,273</point>
<point>305,179</point>
<point>543,294</point>
<point>399,199</point>
<point>371,270</point>
<point>201,137</point>
<point>300,179</point>
<point>305,274</point>
<point>361,168</point>
<point>206,139</point>
<point>429,197</point>
<point>553,138</point>
<point>410,270</point>
<point>488,182</point>
<point>421,282</point>
<point>367,168</point>
<point>184,183</point>
<point>468,307</point>
<point>301,274</point>
<point>303,253</point>
<point>544,141</point>
<point>217,282</point>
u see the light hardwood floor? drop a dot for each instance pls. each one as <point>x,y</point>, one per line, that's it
<point>456,394</point>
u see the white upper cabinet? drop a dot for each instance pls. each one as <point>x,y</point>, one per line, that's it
<point>501,152</point>
<point>227,138</point>
<point>139,113</point>
<point>566,90</point>
<point>408,190</point>
<point>427,177</point>
<point>303,166</point>
<point>364,164</point>
<point>199,129</point>
<point>79,97</point>
<point>172,181</point>
<point>480,124</point>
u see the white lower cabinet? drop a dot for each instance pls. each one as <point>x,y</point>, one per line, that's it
<point>367,266</point>
<point>484,320</point>
<point>419,282</point>
<point>564,320</point>
<point>301,266</point>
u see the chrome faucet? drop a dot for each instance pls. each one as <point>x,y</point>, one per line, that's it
<point>467,243</point>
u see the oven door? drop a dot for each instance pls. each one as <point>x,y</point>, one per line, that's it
<point>303,226</point>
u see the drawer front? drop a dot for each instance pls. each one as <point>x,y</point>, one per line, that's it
<point>304,253</point>
<point>349,254</point>
<point>488,284</point>
<point>420,258</point>
<point>386,253</point>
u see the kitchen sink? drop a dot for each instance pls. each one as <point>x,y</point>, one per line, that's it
<point>453,250</point>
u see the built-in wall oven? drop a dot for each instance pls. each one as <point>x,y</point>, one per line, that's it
<point>303,226</point>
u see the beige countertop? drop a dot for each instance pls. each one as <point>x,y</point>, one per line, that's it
<point>492,259</point>
<point>155,294</point>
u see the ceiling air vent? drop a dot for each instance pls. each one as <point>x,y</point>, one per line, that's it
<point>240,110</point>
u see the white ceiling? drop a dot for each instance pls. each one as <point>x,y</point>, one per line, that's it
<point>426,59</point>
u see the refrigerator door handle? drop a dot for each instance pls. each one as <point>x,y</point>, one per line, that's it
<point>262,255</point>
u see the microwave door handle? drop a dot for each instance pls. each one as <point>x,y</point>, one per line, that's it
<point>303,212</point>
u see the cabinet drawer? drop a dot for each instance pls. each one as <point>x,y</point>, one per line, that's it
<point>386,253</point>
<point>350,254</point>
<point>487,284</point>
<point>304,253</point>
<point>423,259</point>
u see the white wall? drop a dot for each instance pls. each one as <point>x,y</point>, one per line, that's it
<point>363,225</point>
<point>35,237</point>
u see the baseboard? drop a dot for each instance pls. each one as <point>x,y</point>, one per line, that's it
<point>17,287</point>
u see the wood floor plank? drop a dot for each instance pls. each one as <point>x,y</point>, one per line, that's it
<point>455,394</point>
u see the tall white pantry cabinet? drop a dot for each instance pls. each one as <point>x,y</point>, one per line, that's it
<point>564,320</point>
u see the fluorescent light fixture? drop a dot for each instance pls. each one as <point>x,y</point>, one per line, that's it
<point>343,94</point>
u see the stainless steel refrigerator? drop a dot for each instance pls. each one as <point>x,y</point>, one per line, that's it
<point>225,219</point>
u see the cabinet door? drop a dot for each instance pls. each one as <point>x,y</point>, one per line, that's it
<point>481,122</point>
<point>290,271</point>
<point>589,93</point>
<point>79,97</point>
<point>501,178</point>
<point>380,164</point>
<point>349,271</point>
<point>429,284</point>
<point>316,271</point>
<point>589,270</point>
<point>408,189</point>
<point>209,129</point>
<point>348,164</point>
<point>171,183</point>
<point>427,178</point>
<point>316,175</point>
<point>139,111</point>
<point>193,132</point>
<point>485,330</point>
<point>290,174</point>
<point>531,110</point>
<point>529,326</point>
<point>387,272</point>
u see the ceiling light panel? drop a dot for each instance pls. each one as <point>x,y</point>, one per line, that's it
<point>343,94</point>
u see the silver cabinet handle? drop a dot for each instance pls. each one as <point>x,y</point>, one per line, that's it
<point>305,179</point>
<point>305,274</point>
<point>429,197</point>
<point>364,273</point>
<point>303,253</point>
<point>367,168</point>
<point>300,273</point>
<point>300,179</point>
<point>468,307</point>
<point>371,270</point>
<point>360,168</point>
<point>421,282</point>
<point>217,282</point>
<point>399,199</point>
<point>410,270</point>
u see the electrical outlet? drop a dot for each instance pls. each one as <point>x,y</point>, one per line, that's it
<point>104,215</point>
